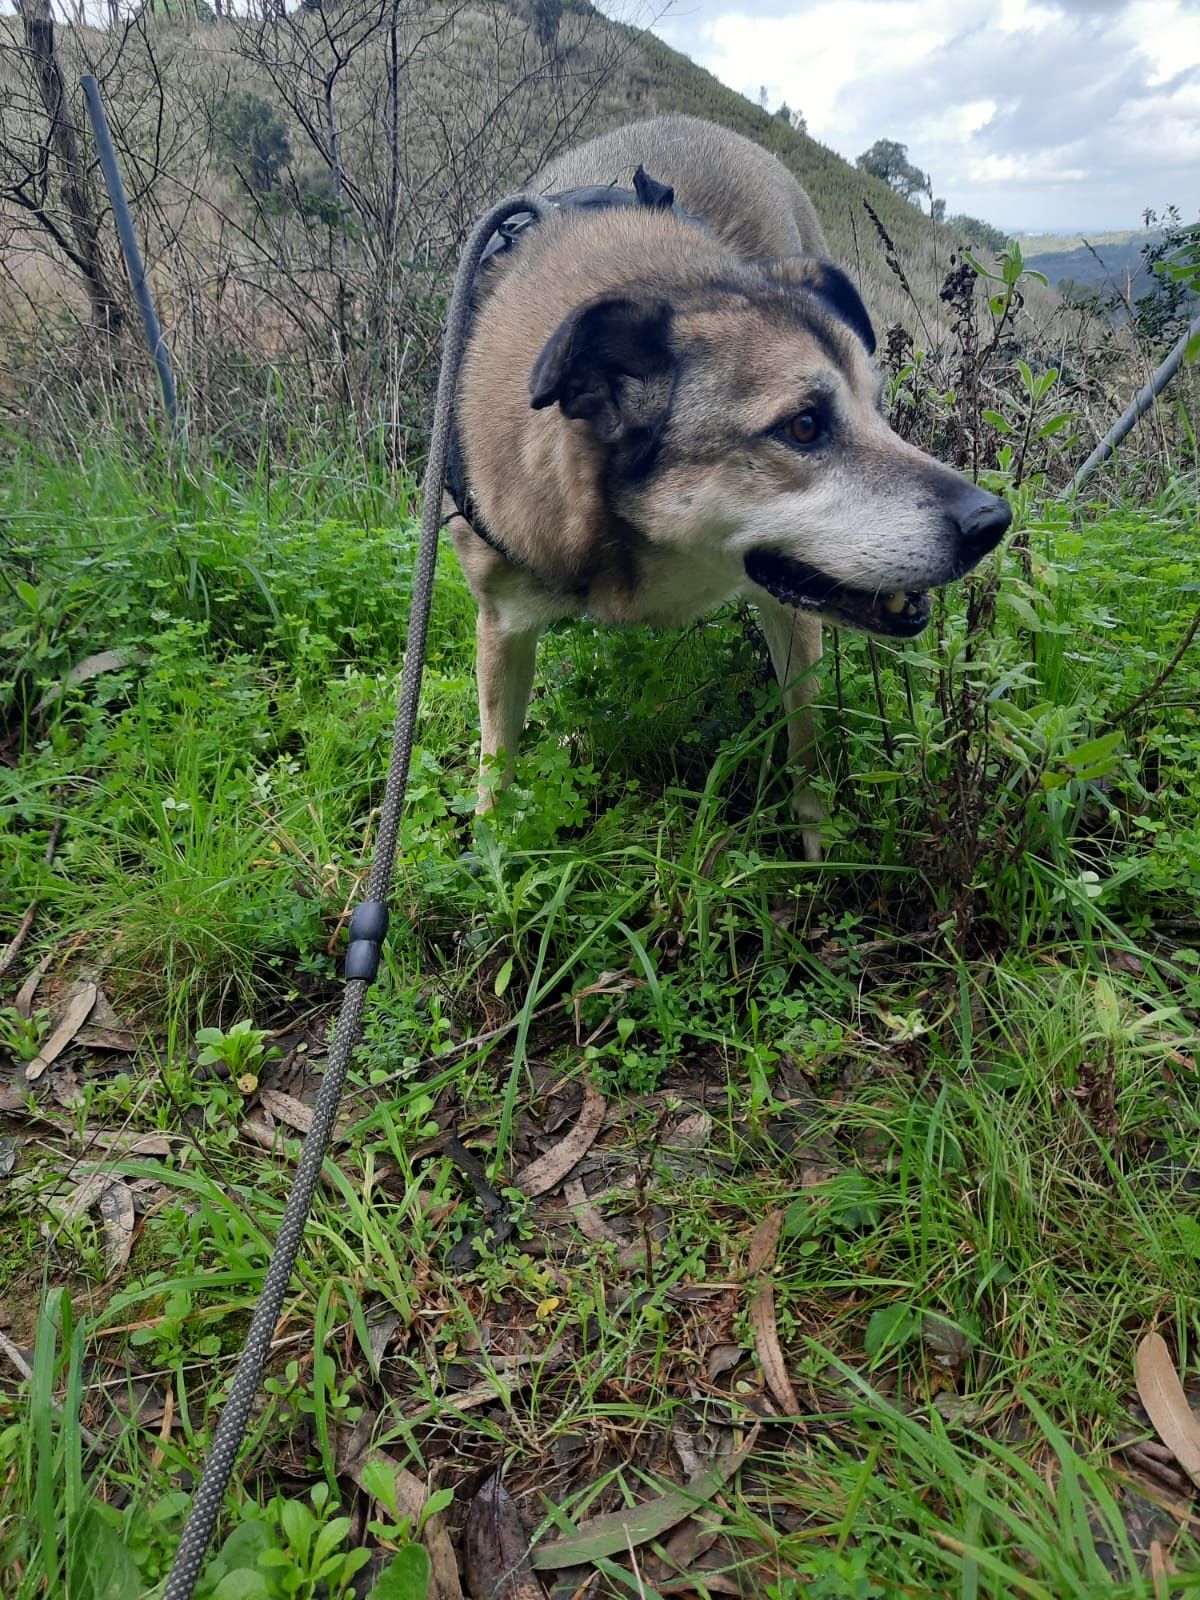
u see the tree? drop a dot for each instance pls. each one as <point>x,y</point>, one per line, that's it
<point>794,119</point>
<point>183,11</point>
<point>888,159</point>
<point>400,135</point>
<point>1083,296</point>
<point>547,14</point>
<point>254,140</point>
<point>44,173</point>
<point>978,232</point>
<point>937,210</point>
<point>1172,259</point>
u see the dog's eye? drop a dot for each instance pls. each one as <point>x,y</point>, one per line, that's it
<point>805,428</point>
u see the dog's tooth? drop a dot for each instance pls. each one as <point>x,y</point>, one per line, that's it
<point>895,603</point>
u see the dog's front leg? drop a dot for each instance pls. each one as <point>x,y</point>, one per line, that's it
<point>794,641</point>
<point>504,665</point>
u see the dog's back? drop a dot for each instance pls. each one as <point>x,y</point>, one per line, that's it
<point>747,196</point>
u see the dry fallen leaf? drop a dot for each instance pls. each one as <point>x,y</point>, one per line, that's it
<point>381,1325</point>
<point>25,994</point>
<point>353,1453</point>
<point>552,1166</point>
<point>695,1450</point>
<point>99,1141</point>
<point>722,1358</point>
<point>119,1221</point>
<point>587,1215</point>
<point>105,1029</point>
<point>114,1200</point>
<point>690,1133</point>
<point>443,1568</point>
<point>948,1345</point>
<point>64,1084</point>
<point>618,1531</point>
<point>696,1534</point>
<point>286,1108</point>
<point>258,1132</point>
<point>83,671</point>
<point>691,1539</point>
<point>79,1008</point>
<point>763,1242</point>
<point>487,1390</point>
<point>496,1548</point>
<point>496,1386</point>
<point>1166,1404</point>
<point>595,1228</point>
<point>1162,1568</point>
<point>90,1184</point>
<point>762,1315</point>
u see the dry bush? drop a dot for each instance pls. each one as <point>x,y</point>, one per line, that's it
<point>316,301</point>
<point>302,284</point>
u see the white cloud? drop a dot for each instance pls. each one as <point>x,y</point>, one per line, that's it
<point>1166,34</point>
<point>1018,16</point>
<point>1035,113</point>
<point>809,59</point>
<point>1165,131</point>
<point>1050,167</point>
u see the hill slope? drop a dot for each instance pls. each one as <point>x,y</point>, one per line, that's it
<point>281,254</point>
<point>1112,263</point>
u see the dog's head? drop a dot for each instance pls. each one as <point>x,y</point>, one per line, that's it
<point>741,417</point>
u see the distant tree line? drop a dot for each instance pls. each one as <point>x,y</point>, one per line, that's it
<point>887,159</point>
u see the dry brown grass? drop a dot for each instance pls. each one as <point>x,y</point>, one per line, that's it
<point>277,306</point>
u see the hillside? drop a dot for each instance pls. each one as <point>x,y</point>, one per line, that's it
<point>302,247</point>
<point>1114,263</point>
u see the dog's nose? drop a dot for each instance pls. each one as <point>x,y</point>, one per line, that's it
<point>982,521</point>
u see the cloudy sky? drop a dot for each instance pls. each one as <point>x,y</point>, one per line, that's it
<point>1057,115</point>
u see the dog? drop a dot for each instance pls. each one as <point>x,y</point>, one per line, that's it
<point>667,400</point>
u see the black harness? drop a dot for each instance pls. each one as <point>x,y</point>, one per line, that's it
<point>646,192</point>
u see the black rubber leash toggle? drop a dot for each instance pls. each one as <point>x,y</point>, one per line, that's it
<point>368,930</point>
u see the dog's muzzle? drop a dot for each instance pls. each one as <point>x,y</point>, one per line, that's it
<point>976,523</point>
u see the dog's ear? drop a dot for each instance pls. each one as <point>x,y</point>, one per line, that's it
<point>653,195</point>
<point>591,357</point>
<point>831,285</point>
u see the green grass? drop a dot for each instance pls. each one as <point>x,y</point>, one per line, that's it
<point>958,1059</point>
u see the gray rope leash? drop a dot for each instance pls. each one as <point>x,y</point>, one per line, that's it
<point>368,926</point>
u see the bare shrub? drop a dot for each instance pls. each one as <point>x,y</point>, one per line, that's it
<point>302,181</point>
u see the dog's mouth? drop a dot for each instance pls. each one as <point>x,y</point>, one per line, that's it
<point>901,614</point>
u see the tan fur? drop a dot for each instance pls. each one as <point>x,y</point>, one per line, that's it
<point>749,342</point>
<point>748,197</point>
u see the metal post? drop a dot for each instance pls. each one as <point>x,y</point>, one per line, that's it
<point>1140,404</point>
<point>129,246</point>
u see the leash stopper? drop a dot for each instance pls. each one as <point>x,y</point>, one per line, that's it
<point>368,929</point>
